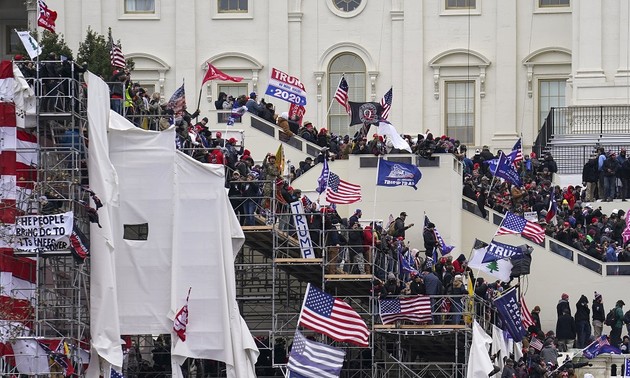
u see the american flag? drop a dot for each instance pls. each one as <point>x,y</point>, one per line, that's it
<point>416,309</point>
<point>312,359</point>
<point>513,224</point>
<point>116,56</point>
<point>323,313</point>
<point>341,95</point>
<point>526,316</point>
<point>536,344</point>
<point>177,101</point>
<point>115,374</point>
<point>341,192</point>
<point>386,104</point>
<point>517,152</point>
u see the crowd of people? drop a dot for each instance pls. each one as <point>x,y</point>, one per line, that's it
<point>568,214</point>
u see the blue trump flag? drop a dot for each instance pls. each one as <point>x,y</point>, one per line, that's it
<point>505,169</point>
<point>322,181</point>
<point>510,313</point>
<point>496,251</point>
<point>397,174</point>
<point>406,262</point>
<point>600,346</point>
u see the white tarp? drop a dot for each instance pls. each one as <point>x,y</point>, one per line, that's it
<point>193,237</point>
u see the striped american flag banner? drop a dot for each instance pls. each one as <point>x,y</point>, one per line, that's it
<point>116,56</point>
<point>341,192</point>
<point>386,103</point>
<point>536,344</point>
<point>526,316</point>
<point>341,95</point>
<point>416,309</point>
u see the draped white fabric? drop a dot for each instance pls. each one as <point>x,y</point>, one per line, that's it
<point>193,237</point>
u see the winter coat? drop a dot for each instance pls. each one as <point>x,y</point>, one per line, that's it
<point>565,328</point>
<point>582,312</point>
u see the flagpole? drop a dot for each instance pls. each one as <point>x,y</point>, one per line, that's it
<point>199,101</point>
<point>378,164</point>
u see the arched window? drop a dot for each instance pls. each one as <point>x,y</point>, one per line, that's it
<point>353,69</point>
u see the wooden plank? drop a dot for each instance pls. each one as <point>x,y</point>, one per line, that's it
<point>348,277</point>
<point>288,260</point>
<point>421,326</point>
<point>257,228</point>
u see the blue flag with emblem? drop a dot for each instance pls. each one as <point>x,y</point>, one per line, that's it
<point>509,310</point>
<point>497,251</point>
<point>505,169</point>
<point>406,262</point>
<point>391,173</point>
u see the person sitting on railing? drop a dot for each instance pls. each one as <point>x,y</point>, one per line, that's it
<point>283,123</point>
<point>307,132</point>
<point>268,113</point>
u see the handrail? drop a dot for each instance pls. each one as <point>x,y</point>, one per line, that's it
<point>554,246</point>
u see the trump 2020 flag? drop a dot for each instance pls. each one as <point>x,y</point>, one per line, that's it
<point>397,174</point>
<point>505,169</point>
<point>323,313</point>
<point>510,312</point>
<point>181,320</point>
<point>309,358</point>
<point>626,368</point>
<point>496,251</point>
<point>500,269</point>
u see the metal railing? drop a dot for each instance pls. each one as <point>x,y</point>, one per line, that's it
<point>554,246</point>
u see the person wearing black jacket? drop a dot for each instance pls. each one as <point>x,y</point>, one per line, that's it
<point>582,322</point>
<point>355,246</point>
<point>565,330</point>
<point>599,315</point>
<point>590,176</point>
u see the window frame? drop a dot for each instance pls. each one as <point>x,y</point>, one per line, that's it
<point>124,15</point>
<point>353,92</point>
<point>542,9</point>
<point>136,232</point>
<point>539,80</point>
<point>343,14</point>
<point>460,11</point>
<point>474,109</point>
<point>223,15</point>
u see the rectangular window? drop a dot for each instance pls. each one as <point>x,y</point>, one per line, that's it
<point>136,231</point>
<point>461,4</point>
<point>139,6</point>
<point>233,6</point>
<point>460,111</point>
<point>338,119</point>
<point>553,3</point>
<point>550,95</point>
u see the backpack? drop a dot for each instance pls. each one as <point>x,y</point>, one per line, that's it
<point>391,231</point>
<point>626,317</point>
<point>611,318</point>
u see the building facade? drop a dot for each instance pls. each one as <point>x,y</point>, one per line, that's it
<point>481,71</point>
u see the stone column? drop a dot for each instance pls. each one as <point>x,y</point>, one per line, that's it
<point>587,41</point>
<point>295,40</point>
<point>505,66</point>
<point>31,14</point>
<point>397,15</point>
<point>187,66</point>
